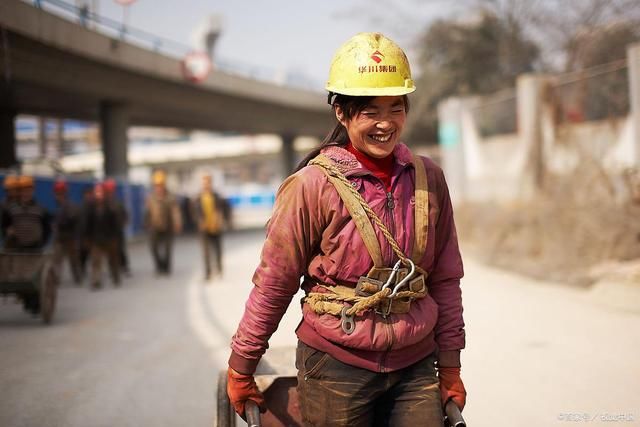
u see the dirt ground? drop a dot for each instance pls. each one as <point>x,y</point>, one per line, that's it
<point>577,229</point>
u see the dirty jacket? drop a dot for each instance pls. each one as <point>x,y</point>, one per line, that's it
<point>311,234</point>
<point>67,221</point>
<point>25,225</point>
<point>162,214</point>
<point>222,210</point>
<point>100,223</point>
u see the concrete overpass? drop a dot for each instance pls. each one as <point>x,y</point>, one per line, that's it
<point>51,66</point>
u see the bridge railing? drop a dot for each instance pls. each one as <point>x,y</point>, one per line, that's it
<point>116,29</point>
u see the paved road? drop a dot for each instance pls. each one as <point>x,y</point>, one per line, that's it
<point>148,354</point>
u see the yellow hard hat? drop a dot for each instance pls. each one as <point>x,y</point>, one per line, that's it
<point>10,182</point>
<point>159,177</point>
<point>370,64</point>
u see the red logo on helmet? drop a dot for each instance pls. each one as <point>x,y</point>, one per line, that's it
<point>377,56</point>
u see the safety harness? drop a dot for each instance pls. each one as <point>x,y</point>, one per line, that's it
<point>382,288</point>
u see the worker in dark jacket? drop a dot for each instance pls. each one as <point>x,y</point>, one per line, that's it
<point>123,218</point>
<point>26,225</point>
<point>99,224</point>
<point>66,226</point>
<point>10,185</point>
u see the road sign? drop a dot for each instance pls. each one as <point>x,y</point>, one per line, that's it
<point>196,66</point>
<point>125,2</point>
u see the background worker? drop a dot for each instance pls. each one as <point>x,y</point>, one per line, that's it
<point>66,228</point>
<point>163,220</point>
<point>382,327</point>
<point>110,186</point>
<point>99,224</point>
<point>26,225</point>
<point>10,185</point>
<point>85,246</point>
<point>213,218</point>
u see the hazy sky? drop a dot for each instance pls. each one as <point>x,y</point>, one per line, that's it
<point>281,35</point>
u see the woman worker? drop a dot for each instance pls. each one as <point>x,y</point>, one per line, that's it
<point>369,227</point>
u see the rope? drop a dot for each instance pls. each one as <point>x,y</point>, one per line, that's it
<point>372,215</point>
<point>322,303</point>
<point>333,302</point>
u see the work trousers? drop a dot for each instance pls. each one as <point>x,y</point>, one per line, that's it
<point>161,244</point>
<point>100,251</point>
<point>333,393</point>
<point>212,241</point>
<point>122,253</point>
<point>68,248</point>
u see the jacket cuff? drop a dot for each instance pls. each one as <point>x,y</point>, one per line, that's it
<point>449,359</point>
<point>242,365</point>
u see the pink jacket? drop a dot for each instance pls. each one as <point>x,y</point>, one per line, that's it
<point>311,234</point>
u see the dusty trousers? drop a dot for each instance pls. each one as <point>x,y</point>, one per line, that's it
<point>99,252</point>
<point>68,248</point>
<point>212,241</point>
<point>333,393</point>
<point>161,244</point>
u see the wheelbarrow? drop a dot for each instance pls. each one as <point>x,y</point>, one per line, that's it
<point>32,278</point>
<point>453,417</point>
<point>276,377</point>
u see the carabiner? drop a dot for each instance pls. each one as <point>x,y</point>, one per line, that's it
<point>405,280</point>
<point>392,275</point>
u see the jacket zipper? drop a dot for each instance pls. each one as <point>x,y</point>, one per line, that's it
<point>387,321</point>
<point>392,223</point>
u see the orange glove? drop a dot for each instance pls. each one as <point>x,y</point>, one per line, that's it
<point>242,387</point>
<point>451,386</point>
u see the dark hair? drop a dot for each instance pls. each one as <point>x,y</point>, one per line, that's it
<point>351,107</point>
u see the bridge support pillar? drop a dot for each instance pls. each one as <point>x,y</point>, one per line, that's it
<point>114,122</point>
<point>288,154</point>
<point>7,138</point>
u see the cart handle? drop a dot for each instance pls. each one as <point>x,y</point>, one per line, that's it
<point>453,415</point>
<point>252,412</point>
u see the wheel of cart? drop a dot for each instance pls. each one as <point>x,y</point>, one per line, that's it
<point>32,278</point>
<point>276,379</point>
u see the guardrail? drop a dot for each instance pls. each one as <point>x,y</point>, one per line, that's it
<point>115,29</point>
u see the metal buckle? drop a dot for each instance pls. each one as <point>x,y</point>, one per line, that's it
<point>384,313</point>
<point>363,281</point>
<point>348,321</point>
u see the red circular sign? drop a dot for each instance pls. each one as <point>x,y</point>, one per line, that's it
<point>196,66</point>
<point>125,2</point>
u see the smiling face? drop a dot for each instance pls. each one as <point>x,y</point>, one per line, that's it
<point>376,129</point>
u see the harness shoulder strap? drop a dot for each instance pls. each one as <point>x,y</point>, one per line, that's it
<point>356,211</point>
<point>421,212</point>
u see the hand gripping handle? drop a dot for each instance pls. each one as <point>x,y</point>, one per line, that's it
<point>453,416</point>
<point>252,412</point>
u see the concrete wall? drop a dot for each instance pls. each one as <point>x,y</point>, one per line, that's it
<point>514,166</point>
<point>496,167</point>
